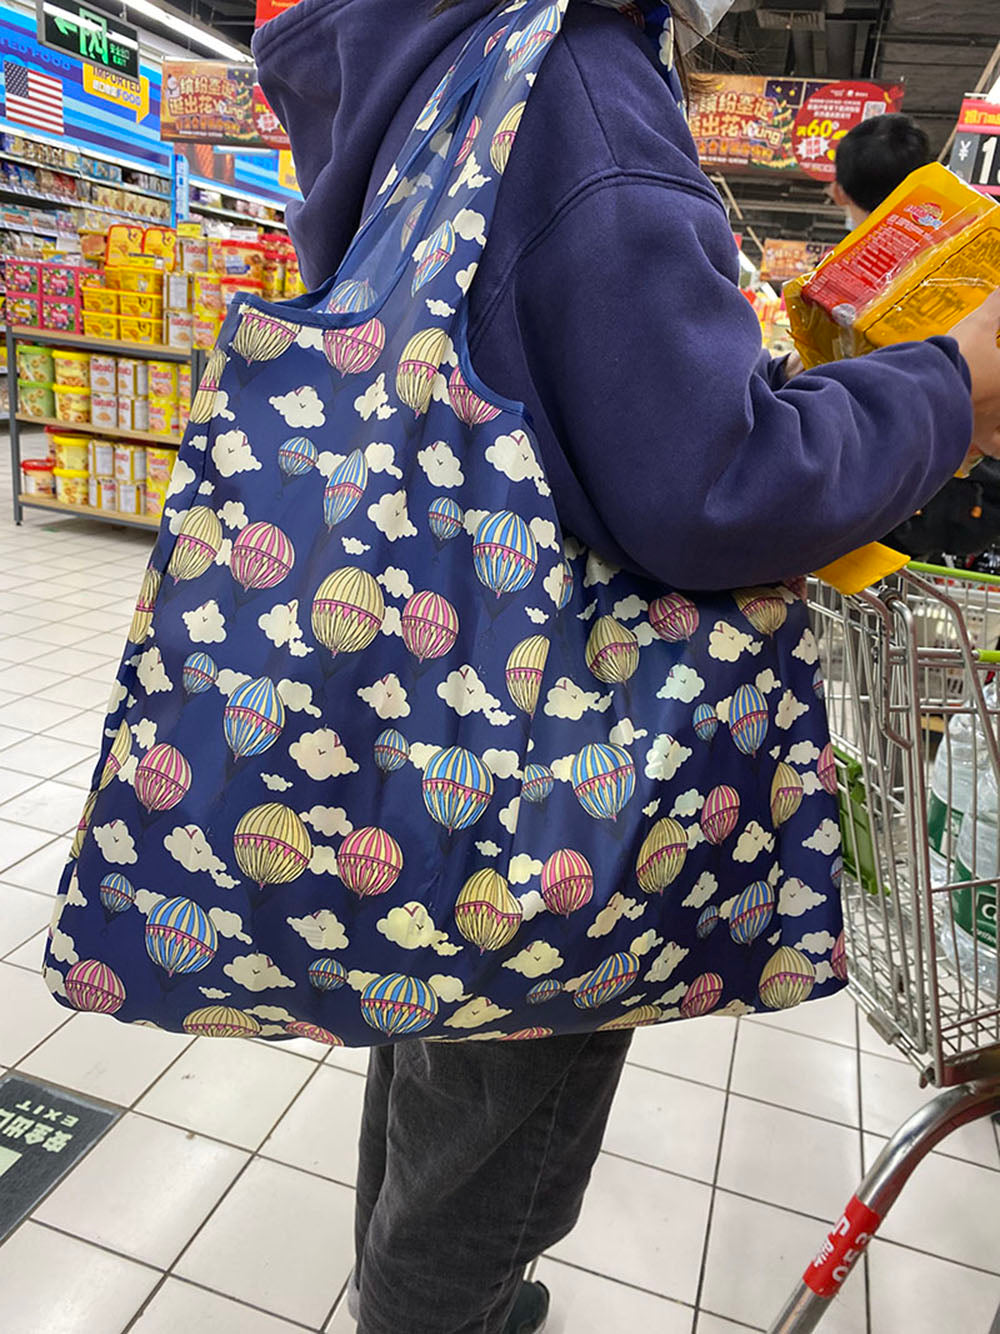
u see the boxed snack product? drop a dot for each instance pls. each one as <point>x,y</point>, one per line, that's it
<point>131,498</point>
<point>178,328</point>
<point>23,277</point>
<point>163,379</point>
<point>72,485</point>
<point>133,377</point>
<point>155,497</point>
<point>94,492</point>
<point>72,403</point>
<point>130,463</point>
<point>101,457</point>
<point>59,279</point>
<point>61,314</point>
<point>34,363</point>
<point>37,478</point>
<point>104,410</point>
<point>183,384</point>
<point>35,400</point>
<point>71,368</point>
<point>103,373</point>
<point>71,451</point>
<point>24,310</point>
<point>159,464</point>
<point>100,299</point>
<point>98,324</point>
<point>132,330</point>
<point>177,291</point>
<point>142,305</point>
<point>108,493</point>
<point>162,415</point>
<point>926,257</point>
<point>133,413</point>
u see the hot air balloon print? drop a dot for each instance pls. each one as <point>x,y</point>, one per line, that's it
<point>748,719</point>
<point>92,986</point>
<point>272,845</point>
<point>345,488</point>
<point>254,718</point>
<point>80,835</point>
<point>471,134</point>
<point>706,722</point>
<point>641,1016</point>
<point>262,337</point>
<point>198,543</point>
<point>708,920</point>
<point>787,980</point>
<point>432,107</point>
<point>327,975</point>
<point>533,40</point>
<point>662,856</point>
<point>445,518</point>
<point>369,861</point>
<point>751,912</point>
<point>837,872</point>
<point>608,981</point>
<point>433,255</point>
<point>457,787</point>
<point>162,779</point>
<point>117,894</point>
<point>537,784</point>
<point>348,610</point>
<point>391,750</point>
<point>355,349</point>
<point>544,991</point>
<point>418,368</point>
<point>300,1029</point>
<point>504,553</point>
<point>567,882</point>
<point>826,769</point>
<point>221,1021</point>
<point>765,608</point>
<point>468,406</point>
<point>674,617</point>
<point>398,1006</point>
<point>297,456</point>
<point>351,297</point>
<point>702,995</point>
<point>430,626</point>
<point>142,617</point>
<point>410,224</point>
<point>486,913</point>
<point>838,958</point>
<point>612,651</point>
<point>526,1035</point>
<point>720,814</point>
<point>121,749</point>
<point>503,140</point>
<point>199,673</point>
<point>566,587</point>
<point>524,671</point>
<point>819,685</point>
<point>262,556</point>
<point>203,403</point>
<point>603,778</point>
<point>786,793</point>
<point>180,937</point>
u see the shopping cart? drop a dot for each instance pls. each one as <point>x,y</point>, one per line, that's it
<point>914,720</point>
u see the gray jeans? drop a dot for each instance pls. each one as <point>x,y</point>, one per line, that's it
<point>474,1161</point>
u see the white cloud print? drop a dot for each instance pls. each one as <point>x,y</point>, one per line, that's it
<point>514,456</point>
<point>666,962</point>
<point>411,927</point>
<point>478,1011</point>
<point>470,225</point>
<point>374,402</point>
<point>796,898</point>
<point>151,674</point>
<point>535,960</point>
<point>788,711</point>
<point>256,972</point>
<point>568,700</point>
<point>701,891</point>
<point>321,931</point>
<point>683,683</point>
<point>618,907</point>
<point>231,454</point>
<point>328,820</point>
<point>390,516</point>
<point>300,407</point>
<point>752,842</point>
<point>665,756</point>
<point>396,582</point>
<point>322,755</point>
<point>181,478</point>
<point>442,466</point>
<point>387,697</point>
<point>825,839</point>
<point>281,626</point>
<point>205,624</point>
<point>463,691</point>
<point>116,843</point>
<point>727,644</point>
<point>189,845</point>
<point>807,650</point>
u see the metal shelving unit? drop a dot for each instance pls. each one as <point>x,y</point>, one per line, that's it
<point>49,338</point>
<point>213,211</point>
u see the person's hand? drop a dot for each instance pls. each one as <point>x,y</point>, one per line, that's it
<point>793,366</point>
<point>976,336</point>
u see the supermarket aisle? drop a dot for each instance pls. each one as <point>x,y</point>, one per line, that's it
<point>221,1198</point>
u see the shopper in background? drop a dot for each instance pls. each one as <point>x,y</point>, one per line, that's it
<point>963,519</point>
<point>607,301</point>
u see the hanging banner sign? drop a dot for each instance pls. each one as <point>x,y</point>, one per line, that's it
<point>132,94</point>
<point>270,9</point>
<point>182,189</point>
<point>746,123</point>
<point>90,36</point>
<point>784,260</point>
<point>975,153</point>
<point>210,102</point>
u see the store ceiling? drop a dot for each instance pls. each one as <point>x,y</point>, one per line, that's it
<point>939,48</point>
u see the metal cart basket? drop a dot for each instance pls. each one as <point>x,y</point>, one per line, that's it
<point>914,717</point>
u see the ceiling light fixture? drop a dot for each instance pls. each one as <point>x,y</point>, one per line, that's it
<point>200,36</point>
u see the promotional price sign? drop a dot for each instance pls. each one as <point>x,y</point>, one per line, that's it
<point>210,102</point>
<point>975,154</point>
<point>751,124</point>
<point>784,260</point>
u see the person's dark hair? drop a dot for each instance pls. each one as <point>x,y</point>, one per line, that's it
<point>878,155</point>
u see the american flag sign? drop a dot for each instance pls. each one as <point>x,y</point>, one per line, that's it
<point>33,98</point>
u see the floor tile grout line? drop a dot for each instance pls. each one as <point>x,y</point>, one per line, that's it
<point>703,1268</point>
<point>340,1297</point>
<point>621,1282</point>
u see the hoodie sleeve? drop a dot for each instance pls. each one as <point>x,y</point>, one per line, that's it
<point>648,386</point>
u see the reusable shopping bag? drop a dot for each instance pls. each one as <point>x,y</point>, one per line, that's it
<point>389,753</point>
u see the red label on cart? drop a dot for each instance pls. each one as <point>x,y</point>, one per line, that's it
<point>842,1249</point>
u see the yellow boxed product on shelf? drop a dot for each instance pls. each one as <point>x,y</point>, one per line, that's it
<point>140,305</point>
<point>163,379</point>
<point>159,464</point>
<point>184,384</point>
<point>72,404</point>
<point>178,326</point>
<point>71,368</point>
<point>104,411</point>
<point>162,415</point>
<point>925,258</point>
<point>103,373</point>
<point>101,457</point>
<point>132,330</point>
<point>100,299</point>
<point>72,485</point>
<point>99,325</point>
<point>71,451</point>
<point>130,463</point>
<point>156,496</point>
<point>136,277</point>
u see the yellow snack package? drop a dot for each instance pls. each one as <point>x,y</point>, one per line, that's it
<point>927,257</point>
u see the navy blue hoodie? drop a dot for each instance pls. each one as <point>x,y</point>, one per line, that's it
<point>607,301</point>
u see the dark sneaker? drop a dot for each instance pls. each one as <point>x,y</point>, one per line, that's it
<point>530,1310</point>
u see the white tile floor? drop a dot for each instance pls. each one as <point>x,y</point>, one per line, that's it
<point>221,1202</point>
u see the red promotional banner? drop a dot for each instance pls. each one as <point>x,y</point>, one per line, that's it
<point>784,260</point>
<point>270,9</point>
<point>210,102</point>
<point>975,154</point>
<point>746,123</point>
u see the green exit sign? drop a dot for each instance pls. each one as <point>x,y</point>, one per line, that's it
<point>78,31</point>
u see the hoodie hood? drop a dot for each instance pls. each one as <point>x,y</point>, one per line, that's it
<point>338,73</point>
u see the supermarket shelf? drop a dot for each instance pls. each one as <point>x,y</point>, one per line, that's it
<point>88,204</point>
<point>49,337</point>
<point>103,432</point>
<point>245,218</point>
<point>85,176</point>
<point>89,512</point>
<point>32,231</point>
